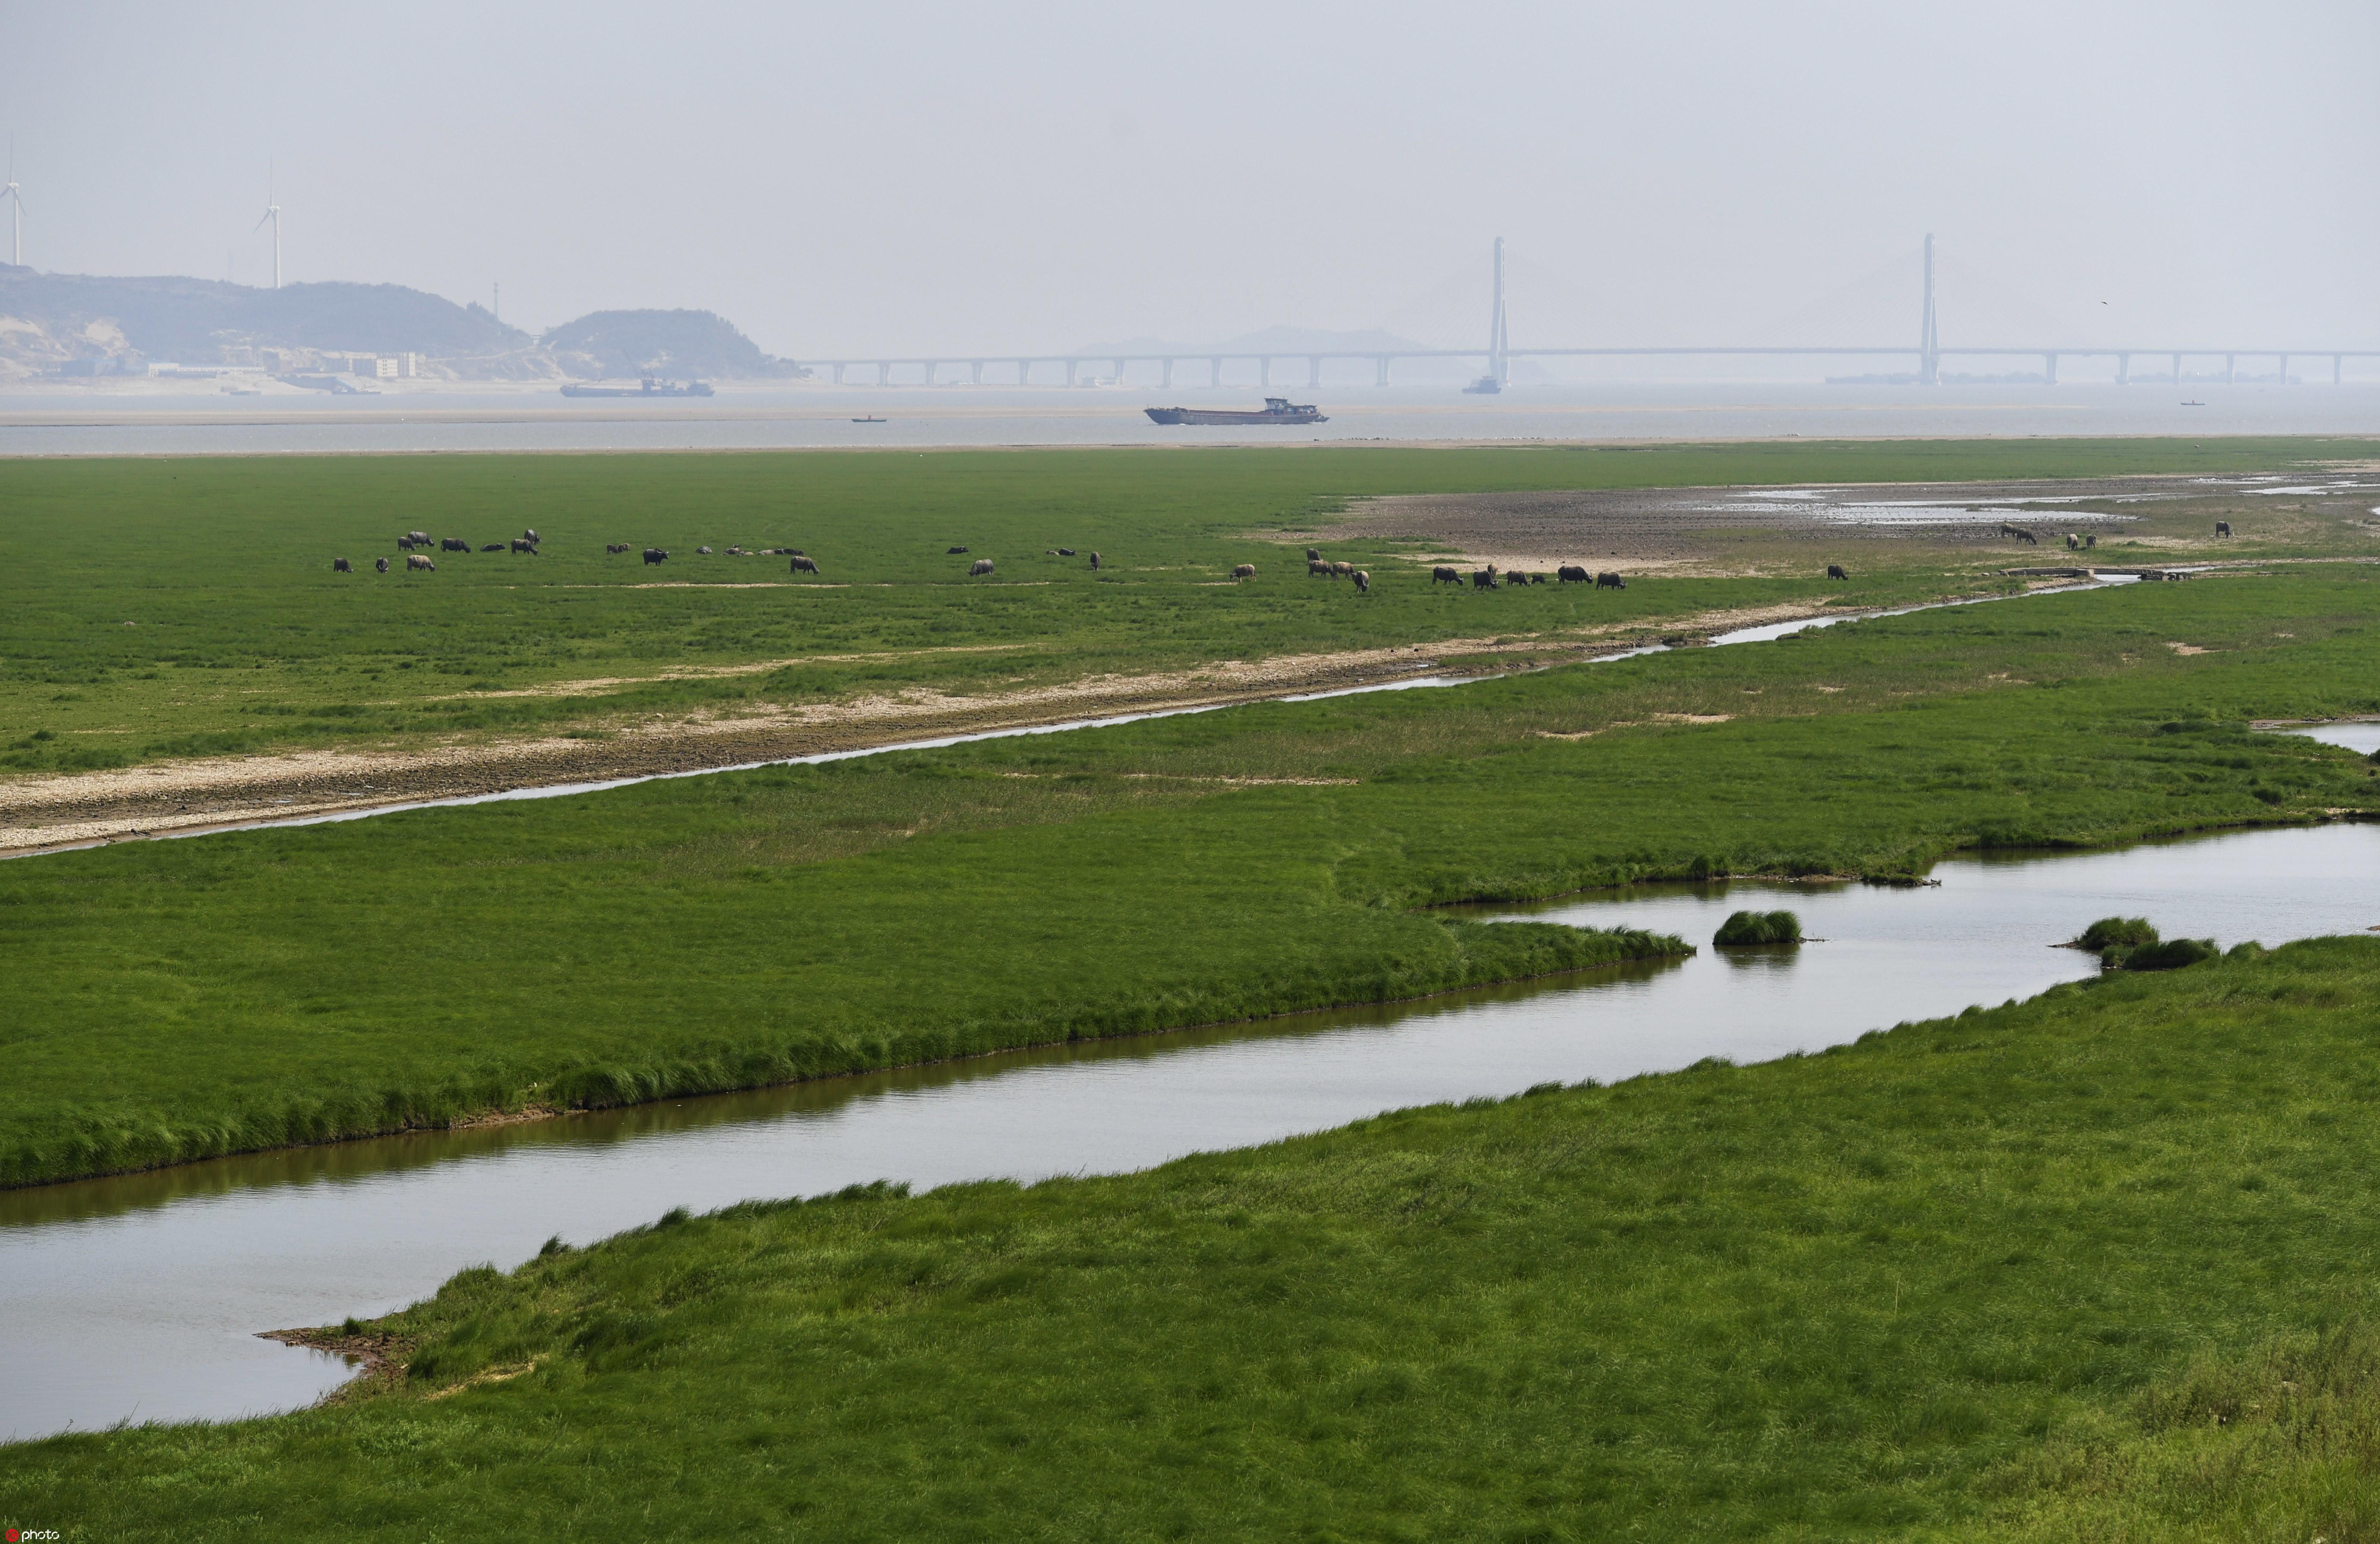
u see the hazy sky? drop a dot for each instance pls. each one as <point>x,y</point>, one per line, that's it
<point>888,177</point>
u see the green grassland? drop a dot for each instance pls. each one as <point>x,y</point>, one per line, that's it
<point>183,606</point>
<point>2093,1267</point>
<point>173,1000</point>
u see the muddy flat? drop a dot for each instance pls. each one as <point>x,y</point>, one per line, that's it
<point>1720,530</point>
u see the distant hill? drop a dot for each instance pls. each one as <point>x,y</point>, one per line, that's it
<point>54,322</point>
<point>679,344</point>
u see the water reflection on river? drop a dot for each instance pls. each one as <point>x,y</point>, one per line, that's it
<point>141,1297</point>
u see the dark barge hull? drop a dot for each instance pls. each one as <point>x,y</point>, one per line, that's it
<point>1207,415</point>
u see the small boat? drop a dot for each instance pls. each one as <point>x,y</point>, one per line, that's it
<point>1486,385</point>
<point>868,421</point>
<point>2194,404</point>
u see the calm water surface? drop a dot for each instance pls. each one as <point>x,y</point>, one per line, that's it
<point>139,1297</point>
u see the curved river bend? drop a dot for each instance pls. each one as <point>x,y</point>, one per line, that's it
<point>139,1297</point>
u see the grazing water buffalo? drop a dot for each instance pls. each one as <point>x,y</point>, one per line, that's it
<point>1363,582</point>
<point>1341,570</point>
<point>381,564</point>
<point>1244,571</point>
<point>1571,573</point>
<point>1443,574</point>
<point>1065,551</point>
<point>454,544</point>
<point>611,547</point>
<point>2222,527</point>
<point>1609,581</point>
<point>419,538</point>
<point>530,537</point>
<point>493,547</point>
<point>805,565</point>
<point>523,544</point>
<point>703,551</point>
<point>2090,539</point>
<point>2073,542</point>
<point>1484,579</point>
<point>2020,534</point>
<point>1836,571</point>
<point>1317,569</point>
<point>1095,562</point>
<point>979,568</point>
<point>416,562</point>
<point>1313,555</point>
<point>955,551</point>
<point>341,566</point>
<point>655,554</point>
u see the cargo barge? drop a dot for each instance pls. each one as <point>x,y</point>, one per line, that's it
<point>650,387</point>
<point>1276,409</point>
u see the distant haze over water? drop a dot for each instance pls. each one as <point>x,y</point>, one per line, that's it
<point>85,423</point>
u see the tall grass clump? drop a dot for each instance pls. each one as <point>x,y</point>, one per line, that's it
<point>2131,943</point>
<point>1759,926</point>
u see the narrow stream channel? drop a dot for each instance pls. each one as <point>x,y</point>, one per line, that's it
<point>139,1297</point>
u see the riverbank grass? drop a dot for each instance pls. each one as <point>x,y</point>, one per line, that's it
<point>178,1000</point>
<point>2093,1265</point>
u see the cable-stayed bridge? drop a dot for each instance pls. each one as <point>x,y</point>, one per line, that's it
<point>1204,367</point>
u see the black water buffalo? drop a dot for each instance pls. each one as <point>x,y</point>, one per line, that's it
<point>979,568</point>
<point>1836,571</point>
<point>611,547</point>
<point>1443,574</point>
<point>1363,582</point>
<point>1317,569</point>
<point>1095,561</point>
<point>523,544</point>
<point>1484,579</point>
<point>530,537</point>
<point>1571,573</point>
<point>1244,571</point>
<point>454,544</point>
<point>419,538</point>
<point>1065,551</point>
<point>341,566</point>
<point>1609,581</point>
<point>381,564</point>
<point>2020,534</point>
<point>416,562</point>
<point>1313,555</point>
<point>493,547</point>
<point>655,554</point>
<point>805,565</point>
<point>2222,527</point>
<point>955,551</point>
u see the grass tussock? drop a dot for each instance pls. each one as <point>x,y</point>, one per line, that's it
<point>1758,927</point>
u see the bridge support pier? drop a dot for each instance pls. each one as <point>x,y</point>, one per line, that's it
<point>884,372</point>
<point>1313,371</point>
<point>2230,368</point>
<point>2049,368</point>
<point>2338,363</point>
<point>2176,369</point>
<point>1072,365</point>
<point>1120,364</point>
<point>2123,369</point>
<point>1169,375</point>
<point>1264,370</point>
<point>2285,370</point>
<point>1381,370</point>
<point>838,375</point>
<point>933,368</point>
<point>975,372</point>
<point>1215,372</point>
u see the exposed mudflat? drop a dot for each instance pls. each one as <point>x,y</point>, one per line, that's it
<point>1661,529</point>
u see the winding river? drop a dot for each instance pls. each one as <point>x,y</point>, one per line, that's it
<point>141,1297</point>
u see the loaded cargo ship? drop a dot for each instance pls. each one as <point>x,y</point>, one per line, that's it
<point>1276,409</point>
<point>649,388</point>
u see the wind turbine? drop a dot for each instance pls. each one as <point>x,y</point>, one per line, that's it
<point>16,210</point>
<point>272,212</point>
